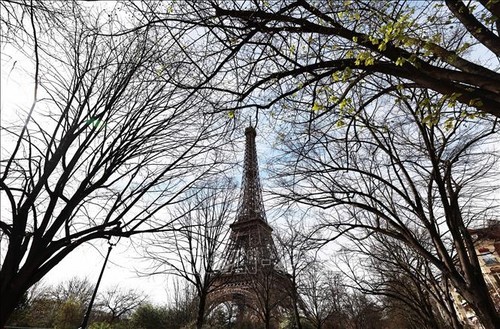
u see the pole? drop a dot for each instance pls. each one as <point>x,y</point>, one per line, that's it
<point>87,314</point>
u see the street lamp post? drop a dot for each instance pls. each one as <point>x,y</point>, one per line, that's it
<point>89,309</point>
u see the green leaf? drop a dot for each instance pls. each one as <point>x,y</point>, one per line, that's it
<point>425,102</point>
<point>373,40</point>
<point>333,99</point>
<point>94,122</point>
<point>344,103</point>
<point>448,124</point>
<point>436,38</point>
<point>317,107</point>
<point>370,61</point>
<point>408,42</point>
<point>347,74</point>
<point>336,76</point>
<point>476,102</point>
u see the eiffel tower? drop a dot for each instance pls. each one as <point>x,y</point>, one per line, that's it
<point>251,270</point>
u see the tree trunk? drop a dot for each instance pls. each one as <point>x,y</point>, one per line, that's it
<point>296,307</point>
<point>486,312</point>
<point>452,315</point>
<point>455,323</point>
<point>200,319</point>
<point>268,320</point>
<point>9,299</point>
<point>482,304</point>
<point>7,306</point>
<point>297,316</point>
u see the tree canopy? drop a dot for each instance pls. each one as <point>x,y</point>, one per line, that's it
<point>318,53</point>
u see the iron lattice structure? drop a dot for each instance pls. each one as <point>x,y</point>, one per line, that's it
<point>250,267</point>
<point>251,204</point>
<point>250,242</point>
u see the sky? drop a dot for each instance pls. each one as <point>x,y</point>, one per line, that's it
<point>16,96</point>
<point>87,262</point>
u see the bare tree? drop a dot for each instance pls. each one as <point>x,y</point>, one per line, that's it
<point>362,312</point>
<point>298,253</point>
<point>316,53</point>
<point>413,287</point>
<point>120,303</point>
<point>106,146</point>
<point>322,293</point>
<point>271,293</point>
<point>20,16</point>
<point>192,249</point>
<point>398,172</point>
<point>75,288</point>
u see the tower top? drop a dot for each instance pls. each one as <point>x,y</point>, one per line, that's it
<point>250,131</point>
<point>251,205</point>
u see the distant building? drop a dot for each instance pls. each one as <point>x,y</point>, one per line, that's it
<point>487,245</point>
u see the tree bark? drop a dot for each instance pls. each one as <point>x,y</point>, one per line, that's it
<point>200,319</point>
<point>483,306</point>
<point>476,293</point>
<point>296,312</point>
<point>8,304</point>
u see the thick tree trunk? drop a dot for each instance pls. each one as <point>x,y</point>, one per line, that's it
<point>200,319</point>
<point>10,291</point>
<point>7,306</point>
<point>267,317</point>
<point>482,304</point>
<point>9,298</point>
<point>486,312</point>
<point>268,320</point>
